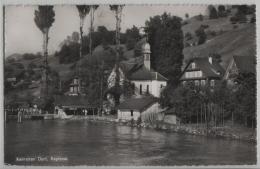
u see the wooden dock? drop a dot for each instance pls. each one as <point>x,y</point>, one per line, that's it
<point>42,116</point>
<point>33,117</point>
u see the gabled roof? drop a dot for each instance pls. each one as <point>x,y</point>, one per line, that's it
<point>144,74</point>
<point>134,69</point>
<point>72,101</point>
<point>245,64</point>
<point>214,70</point>
<point>139,104</point>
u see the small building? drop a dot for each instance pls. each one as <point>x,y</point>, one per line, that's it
<point>202,71</point>
<point>75,87</point>
<point>74,105</point>
<point>239,64</point>
<point>135,108</point>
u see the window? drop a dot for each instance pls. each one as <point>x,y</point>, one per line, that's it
<point>193,65</point>
<point>141,90</point>
<point>132,113</point>
<point>203,82</point>
<point>161,86</point>
<point>200,73</point>
<point>212,83</point>
<point>197,83</point>
<point>147,89</point>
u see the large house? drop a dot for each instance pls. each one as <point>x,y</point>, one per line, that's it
<point>202,71</point>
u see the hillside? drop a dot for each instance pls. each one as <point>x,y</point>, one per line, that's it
<point>229,40</point>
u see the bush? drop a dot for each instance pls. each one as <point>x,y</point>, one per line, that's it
<point>199,17</point>
<point>204,26</point>
<point>200,33</point>
<point>212,33</point>
<point>188,36</point>
<point>253,20</point>
<point>213,14</point>
<point>222,11</point>
<point>184,23</point>
<point>234,19</point>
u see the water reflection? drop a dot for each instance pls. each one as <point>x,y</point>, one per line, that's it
<point>91,143</point>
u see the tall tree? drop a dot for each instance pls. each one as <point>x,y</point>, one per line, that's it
<point>83,11</point>
<point>44,18</point>
<point>92,17</point>
<point>117,9</point>
<point>166,39</point>
<point>200,33</point>
<point>213,14</point>
<point>221,11</point>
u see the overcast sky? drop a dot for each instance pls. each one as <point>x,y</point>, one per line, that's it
<point>22,35</point>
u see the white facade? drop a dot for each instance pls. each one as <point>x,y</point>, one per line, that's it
<point>193,74</point>
<point>153,87</point>
<point>126,115</point>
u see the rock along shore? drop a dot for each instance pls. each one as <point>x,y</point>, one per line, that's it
<point>217,132</point>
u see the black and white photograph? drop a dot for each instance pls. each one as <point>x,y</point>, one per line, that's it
<point>129,85</point>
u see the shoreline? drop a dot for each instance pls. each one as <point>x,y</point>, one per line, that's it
<point>213,132</point>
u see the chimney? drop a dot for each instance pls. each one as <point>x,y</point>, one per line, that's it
<point>210,59</point>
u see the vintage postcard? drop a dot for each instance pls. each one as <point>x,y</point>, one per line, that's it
<point>129,84</point>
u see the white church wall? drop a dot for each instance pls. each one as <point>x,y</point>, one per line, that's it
<point>144,84</point>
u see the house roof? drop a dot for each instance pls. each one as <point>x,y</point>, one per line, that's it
<point>139,104</point>
<point>144,74</point>
<point>245,64</point>
<point>214,70</point>
<point>170,111</point>
<point>72,101</point>
<point>135,70</point>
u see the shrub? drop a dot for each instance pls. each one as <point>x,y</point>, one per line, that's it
<point>200,33</point>
<point>204,26</point>
<point>185,23</point>
<point>199,17</point>
<point>234,20</point>
<point>212,33</point>
<point>253,20</point>
<point>188,36</point>
<point>213,14</point>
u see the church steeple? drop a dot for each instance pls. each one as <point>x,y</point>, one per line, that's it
<point>146,54</point>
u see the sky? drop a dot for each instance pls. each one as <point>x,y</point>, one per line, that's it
<point>22,35</point>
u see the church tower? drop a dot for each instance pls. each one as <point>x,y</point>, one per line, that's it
<point>146,54</point>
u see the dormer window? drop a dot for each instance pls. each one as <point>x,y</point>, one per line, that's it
<point>212,83</point>
<point>193,66</point>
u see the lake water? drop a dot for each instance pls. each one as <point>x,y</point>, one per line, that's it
<point>99,143</point>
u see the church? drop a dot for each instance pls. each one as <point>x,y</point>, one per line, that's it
<point>146,82</point>
<point>138,71</point>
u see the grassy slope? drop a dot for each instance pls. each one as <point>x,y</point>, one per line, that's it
<point>239,41</point>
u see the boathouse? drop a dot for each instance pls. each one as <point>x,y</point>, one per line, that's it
<point>135,108</point>
<point>74,105</point>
